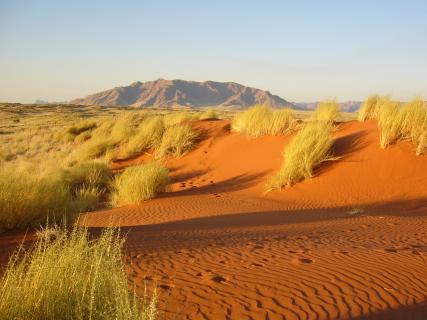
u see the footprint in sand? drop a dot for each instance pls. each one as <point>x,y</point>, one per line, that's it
<point>218,279</point>
<point>302,260</point>
<point>164,286</point>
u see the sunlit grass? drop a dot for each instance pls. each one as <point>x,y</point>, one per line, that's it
<point>68,276</point>
<point>307,150</point>
<point>260,121</point>
<point>139,183</point>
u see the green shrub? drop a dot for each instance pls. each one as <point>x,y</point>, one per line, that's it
<point>139,183</point>
<point>260,121</point>
<point>68,276</point>
<point>176,141</point>
<point>307,150</point>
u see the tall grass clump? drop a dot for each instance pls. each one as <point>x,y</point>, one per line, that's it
<point>68,276</point>
<point>88,182</point>
<point>369,108</point>
<point>413,123</point>
<point>139,183</point>
<point>327,111</point>
<point>176,141</point>
<point>28,198</point>
<point>388,122</point>
<point>148,136</point>
<point>307,150</point>
<point>281,122</point>
<point>175,118</point>
<point>260,121</point>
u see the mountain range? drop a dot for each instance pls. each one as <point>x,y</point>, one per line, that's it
<point>170,93</point>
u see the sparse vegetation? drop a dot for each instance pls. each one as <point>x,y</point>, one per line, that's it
<point>176,141</point>
<point>208,114</point>
<point>307,150</point>
<point>68,276</point>
<point>260,121</point>
<point>327,111</point>
<point>139,183</point>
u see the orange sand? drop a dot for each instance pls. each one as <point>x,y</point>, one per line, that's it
<point>217,247</point>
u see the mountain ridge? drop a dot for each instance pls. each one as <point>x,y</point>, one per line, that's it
<point>167,93</point>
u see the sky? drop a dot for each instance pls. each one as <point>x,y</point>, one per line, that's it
<point>301,50</point>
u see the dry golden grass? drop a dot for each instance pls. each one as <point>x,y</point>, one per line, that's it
<point>208,114</point>
<point>388,122</point>
<point>368,110</point>
<point>68,276</point>
<point>308,149</point>
<point>28,198</point>
<point>148,136</point>
<point>413,123</point>
<point>176,141</point>
<point>260,121</point>
<point>139,183</point>
<point>326,111</point>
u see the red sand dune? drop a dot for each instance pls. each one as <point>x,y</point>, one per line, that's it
<point>218,247</point>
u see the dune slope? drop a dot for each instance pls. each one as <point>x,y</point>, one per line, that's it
<point>349,243</point>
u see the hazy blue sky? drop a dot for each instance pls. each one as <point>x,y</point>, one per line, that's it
<point>300,50</point>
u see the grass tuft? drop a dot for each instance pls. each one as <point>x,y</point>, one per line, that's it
<point>68,276</point>
<point>308,149</point>
<point>368,110</point>
<point>176,141</point>
<point>327,111</point>
<point>139,183</point>
<point>27,199</point>
<point>260,121</point>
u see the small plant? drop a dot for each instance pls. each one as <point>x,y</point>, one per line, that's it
<point>307,150</point>
<point>368,109</point>
<point>260,121</point>
<point>176,141</point>
<point>175,118</point>
<point>139,183</point>
<point>355,211</point>
<point>388,122</point>
<point>413,123</point>
<point>327,111</point>
<point>68,276</point>
<point>208,114</point>
<point>148,136</point>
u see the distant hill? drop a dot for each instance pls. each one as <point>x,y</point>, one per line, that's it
<point>346,106</point>
<point>168,93</point>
